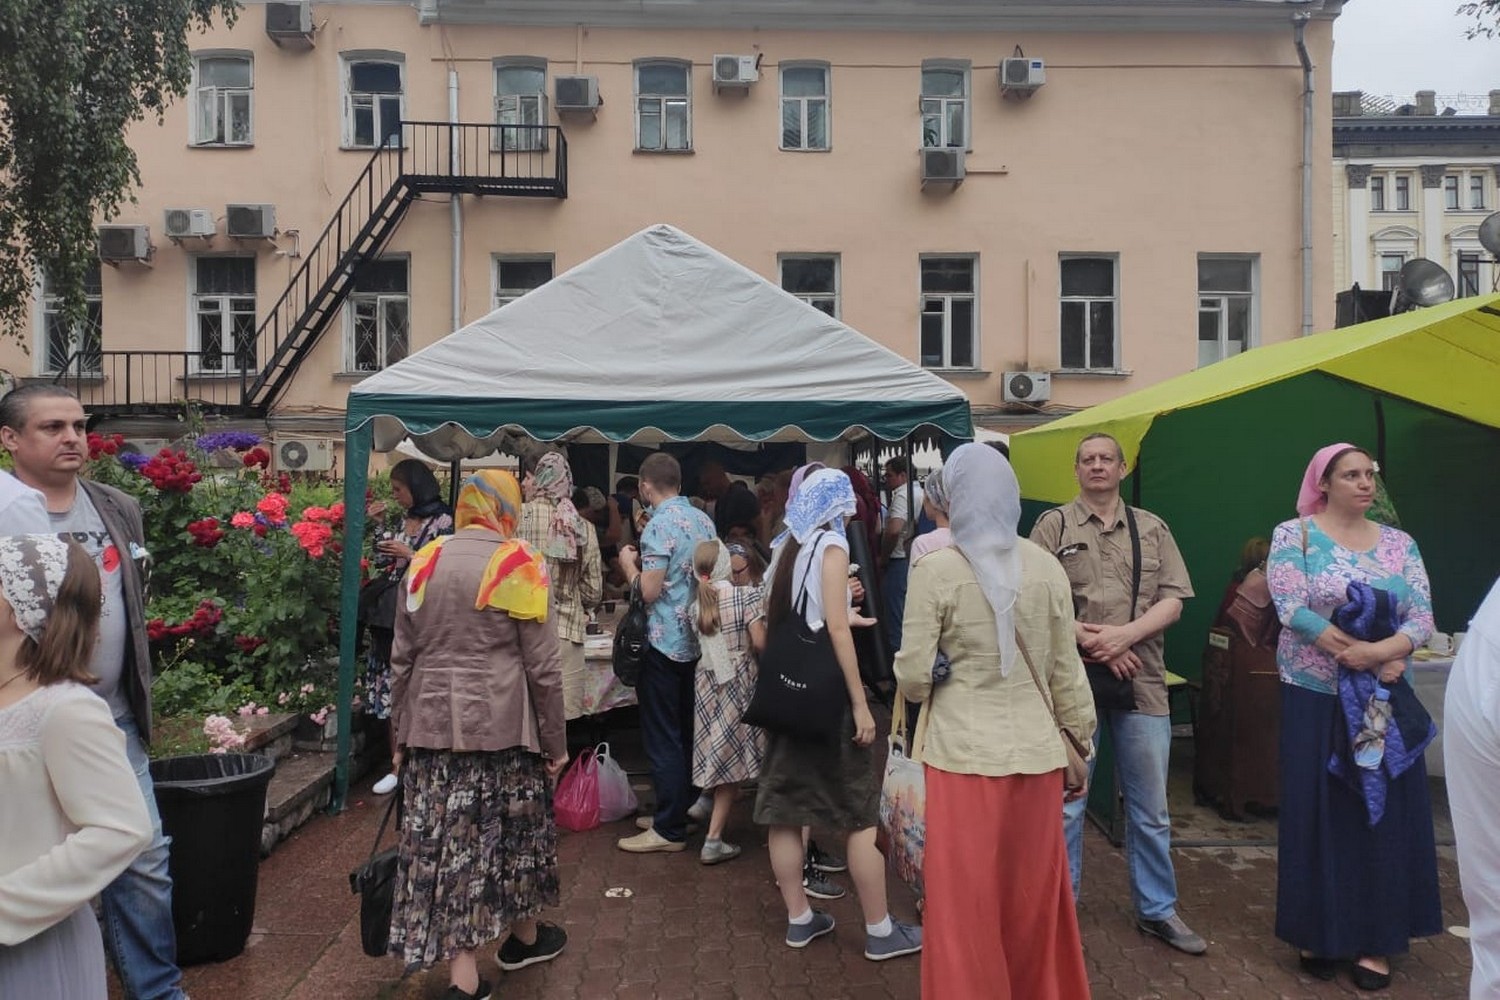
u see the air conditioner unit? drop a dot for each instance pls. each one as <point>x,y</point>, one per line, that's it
<point>577,93</point>
<point>118,243</point>
<point>185,222</point>
<point>1021,76</point>
<point>304,455</point>
<point>942,166</point>
<point>735,72</point>
<point>250,222</point>
<point>290,24</point>
<point>1027,387</point>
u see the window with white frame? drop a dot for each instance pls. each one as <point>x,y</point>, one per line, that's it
<point>804,107</point>
<point>224,313</point>
<point>945,104</point>
<point>521,104</point>
<point>1476,191</point>
<point>1390,191</point>
<point>374,100</point>
<point>1377,194</point>
<point>1226,306</point>
<point>73,348</point>
<point>1403,192</point>
<point>813,278</point>
<point>663,106</point>
<point>223,100</point>
<point>378,315</point>
<point>1468,273</point>
<point>517,274</point>
<point>1390,270</point>
<point>1089,312</point>
<point>1450,193</point>
<point>950,318</point>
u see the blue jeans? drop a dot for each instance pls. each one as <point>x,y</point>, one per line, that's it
<point>893,587</point>
<point>137,906</point>
<point>1142,744</point>
<point>665,694</point>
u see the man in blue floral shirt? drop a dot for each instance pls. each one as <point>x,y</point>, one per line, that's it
<point>664,569</point>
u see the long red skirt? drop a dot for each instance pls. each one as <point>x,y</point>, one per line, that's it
<point>998,921</point>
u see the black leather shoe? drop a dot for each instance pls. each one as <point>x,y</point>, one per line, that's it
<point>1326,969</point>
<point>1370,980</point>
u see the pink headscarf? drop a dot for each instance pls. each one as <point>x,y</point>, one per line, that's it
<point>1311,499</point>
<point>801,474</point>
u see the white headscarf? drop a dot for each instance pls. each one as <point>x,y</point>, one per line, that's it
<point>984,507</point>
<point>824,499</point>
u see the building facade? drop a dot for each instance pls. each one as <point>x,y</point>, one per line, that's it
<point>1413,181</point>
<point>1105,193</point>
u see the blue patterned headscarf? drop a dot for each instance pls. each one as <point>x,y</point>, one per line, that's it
<point>824,499</point>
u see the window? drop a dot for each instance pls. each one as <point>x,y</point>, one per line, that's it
<point>224,313</point>
<point>663,107</point>
<point>373,102</point>
<point>378,315</point>
<point>62,342</point>
<point>521,102</point>
<point>515,276</point>
<point>1468,273</point>
<point>1089,313</point>
<point>1226,307</point>
<point>804,107</point>
<point>1390,270</point>
<point>945,104</point>
<point>223,96</point>
<point>1450,192</point>
<point>1476,191</point>
<point>1403,193</point>
<point>1377,194</point>
<point>949,320</point>
<point>813,278</point>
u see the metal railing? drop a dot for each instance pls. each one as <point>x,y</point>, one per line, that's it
<point>148,381</point>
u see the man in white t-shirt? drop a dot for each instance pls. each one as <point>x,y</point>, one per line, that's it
<point>22,509</point>
<point>905,505</point>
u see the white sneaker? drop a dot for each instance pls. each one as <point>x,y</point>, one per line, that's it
<point>386,785</point>
<point>701,809</point>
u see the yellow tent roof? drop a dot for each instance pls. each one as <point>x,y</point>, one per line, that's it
<point>1446,357</point>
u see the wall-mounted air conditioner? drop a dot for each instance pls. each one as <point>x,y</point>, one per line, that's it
<point>1027,387</point>
<point>250,222</point>
<point>735,72</point>
<point>117,243</point>
<point>1021,76</point>
<point>290,24</point>
<point>184,223</point>
<point>577,93</point>
<point>943,165</point>
<point>304,455</point>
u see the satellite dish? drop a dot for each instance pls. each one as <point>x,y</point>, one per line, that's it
<point>1489,234</point>
<point>1422,282</point>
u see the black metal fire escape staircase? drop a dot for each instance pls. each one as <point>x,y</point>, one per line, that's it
<point>247,378</point>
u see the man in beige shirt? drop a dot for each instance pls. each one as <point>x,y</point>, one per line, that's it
<point>1128,581</point>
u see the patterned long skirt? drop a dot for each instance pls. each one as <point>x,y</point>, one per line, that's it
<point>478,851</point>
<point>725,750</point>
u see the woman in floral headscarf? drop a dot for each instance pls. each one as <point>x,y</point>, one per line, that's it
<point>551,524</point>
<point>828,785</point>
<point>477,717</point>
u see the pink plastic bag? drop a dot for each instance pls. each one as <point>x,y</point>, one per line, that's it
<point>576,804</point>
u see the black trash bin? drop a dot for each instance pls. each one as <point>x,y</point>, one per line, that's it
<point>213,807</point>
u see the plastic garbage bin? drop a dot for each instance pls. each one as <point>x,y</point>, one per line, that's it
<point>212,807</point>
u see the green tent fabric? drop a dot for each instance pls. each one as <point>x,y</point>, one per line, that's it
<point>1219,452</point>
<point>658,338</point>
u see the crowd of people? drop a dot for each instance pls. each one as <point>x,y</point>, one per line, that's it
<point>476,624</point>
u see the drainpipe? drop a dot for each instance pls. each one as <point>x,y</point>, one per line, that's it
<point>455,205</point>
<point>1299,25</point>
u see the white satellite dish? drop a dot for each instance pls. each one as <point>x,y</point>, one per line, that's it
<point>1489,234</point>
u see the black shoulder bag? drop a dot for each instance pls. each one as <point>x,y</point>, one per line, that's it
<point>374,882</point>
<point>1113,693</point>
<point>629,653</point>
<point>799,689</point>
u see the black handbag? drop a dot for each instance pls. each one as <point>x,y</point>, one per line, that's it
<point>377,602</point>
<point>799,689</point>
<point>629,653</point>
<point>374,882</point>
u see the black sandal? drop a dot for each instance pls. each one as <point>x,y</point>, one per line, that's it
<point>1368,979</point>
<point>1326,969</point>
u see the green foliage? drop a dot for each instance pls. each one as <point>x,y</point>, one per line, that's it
<point>74,74</point>
<point>191,688</point>
<point>1486,17</point>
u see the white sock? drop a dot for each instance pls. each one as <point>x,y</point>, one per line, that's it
<point>803,920</point>
<point>882,929</point>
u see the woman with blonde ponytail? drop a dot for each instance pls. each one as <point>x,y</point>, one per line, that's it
<point>725,751</point>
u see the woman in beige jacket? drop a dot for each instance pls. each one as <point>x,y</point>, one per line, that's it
<point>999,915</point>
<point>477,716</point>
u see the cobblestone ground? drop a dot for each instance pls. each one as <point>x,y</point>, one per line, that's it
<point>664,926</point>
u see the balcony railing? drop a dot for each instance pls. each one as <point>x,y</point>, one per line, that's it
<point>124,383</point>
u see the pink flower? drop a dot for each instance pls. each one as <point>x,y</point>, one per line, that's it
<point>283,698</point>
<point>263,710</point>
<point>243,519</point>
<point>247,710</point>
<point>273,506</point>
<point>320,716</point>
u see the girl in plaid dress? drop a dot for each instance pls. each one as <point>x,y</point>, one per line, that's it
<point>725,751</point>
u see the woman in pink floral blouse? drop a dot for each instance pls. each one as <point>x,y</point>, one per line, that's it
<point>1348,890</point>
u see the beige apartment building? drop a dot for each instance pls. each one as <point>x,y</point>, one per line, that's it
<point>1413,180</point>
<point>1102,193</point>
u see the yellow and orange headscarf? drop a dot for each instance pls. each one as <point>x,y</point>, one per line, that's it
<point>515,579</point>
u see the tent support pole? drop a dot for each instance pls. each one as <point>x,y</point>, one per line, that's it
<point>455,479</point>
<point>356,475</point>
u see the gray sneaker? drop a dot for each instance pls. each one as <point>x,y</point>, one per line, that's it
<point>1175,933</point>
<point>718,853</point>
<point>819,886</point>
<point>904,939</point>
<point>800,935</point>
